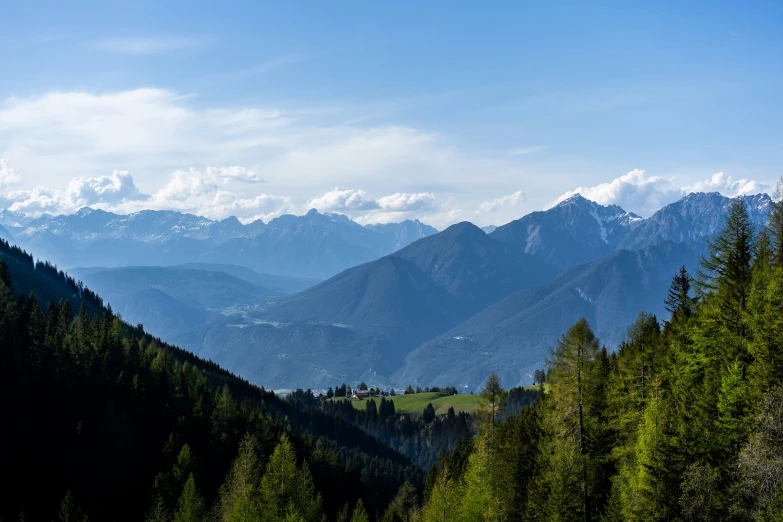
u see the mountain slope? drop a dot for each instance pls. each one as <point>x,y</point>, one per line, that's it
<point>697,215</point>
<point>368,317</point>
<point>5,234</point>
<point>282,284</point>
<point>111,416</point>
<point>169,300</point>
<point>514,334</point>
<point>575,231</point>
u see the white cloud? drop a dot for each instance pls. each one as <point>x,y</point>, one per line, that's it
<point>113,189</point>
<point>340,200</point>
<point>142,45</point>
<point>634,191</point>
<point>353,201</point>
<point>205,193</point>
<point>152,132</point>
<point>722,183</point>
<point>637,192</point>
<point>236,172</point>
<point>510,200</point>
<point>102,191</point>
<point>7,174</point>
<point>192,190</point>
<point>402,202</point>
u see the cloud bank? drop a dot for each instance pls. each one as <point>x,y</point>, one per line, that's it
<point>70,149</point>
<point>643,194</point>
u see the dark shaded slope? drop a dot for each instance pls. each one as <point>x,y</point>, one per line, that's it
<point>45,280</point>
<point>513,335</point>
<point>102,415</point>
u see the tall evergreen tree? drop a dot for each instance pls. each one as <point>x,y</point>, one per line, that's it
<point>240,497</point>
<point>776,224</point>
<point>571,419</point>
<point>678,300</point>
<point>190,507</point>
<point>727,269</point>
<point>287,490</point>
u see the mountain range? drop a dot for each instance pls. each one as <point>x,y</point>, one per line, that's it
<point>315,245</point>
<point>452,307</point>
<point>402,303</point>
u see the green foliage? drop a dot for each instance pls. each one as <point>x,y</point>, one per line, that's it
<point>137,429</point>
<point>286,490</point>
<point>190,507</point>
<point>359,513</point>
<point>776,225</point>
<point>681,423</point>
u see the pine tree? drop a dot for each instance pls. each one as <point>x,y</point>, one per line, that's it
<point>678,300</point>
<point>190,507</point>
<point>572,421</point>
<point>5,275</point>
<point>733,406</point>
<point>70,511</point>
<point>727,269</point>
<point>240,497</point>
<point>359,513</point>
<point>776,225</point>
<point>444,500</point>
<point>480,501</point>
<point>492,391</point>
<point>285,489</point>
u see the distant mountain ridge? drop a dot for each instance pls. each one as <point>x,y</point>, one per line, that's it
<point>451,307</point>
<point>573,232</point>
<point>314,245</point>
<point>695,216</point>
<point>400,303</point>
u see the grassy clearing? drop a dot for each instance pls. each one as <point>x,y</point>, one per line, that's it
<point>415,403</point>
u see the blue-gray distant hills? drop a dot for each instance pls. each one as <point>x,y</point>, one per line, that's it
<point>315,245</point>
<point>318,299</point>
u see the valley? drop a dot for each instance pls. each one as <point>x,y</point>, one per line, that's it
<point>392,304</point>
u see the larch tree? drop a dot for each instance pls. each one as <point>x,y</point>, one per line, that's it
<point>776,225</point>
<point>574,401</point>
<point>492,390</point>
<point>190,507</point>
<point>287,490</point>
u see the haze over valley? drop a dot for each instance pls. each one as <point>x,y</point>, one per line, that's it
<point>310,300</point>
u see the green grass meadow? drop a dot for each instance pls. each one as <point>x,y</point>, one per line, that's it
<point>416,402</point>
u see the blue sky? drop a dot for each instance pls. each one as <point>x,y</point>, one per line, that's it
<point>442,110</point>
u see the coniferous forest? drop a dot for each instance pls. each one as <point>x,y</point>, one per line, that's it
<point>683,422</point>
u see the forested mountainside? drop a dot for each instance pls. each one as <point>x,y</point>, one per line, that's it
<point>422,437</point>
<point>104,421</point>
<point>683,422</point>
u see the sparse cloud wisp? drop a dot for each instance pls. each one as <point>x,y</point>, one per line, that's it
<point>146,45</point>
